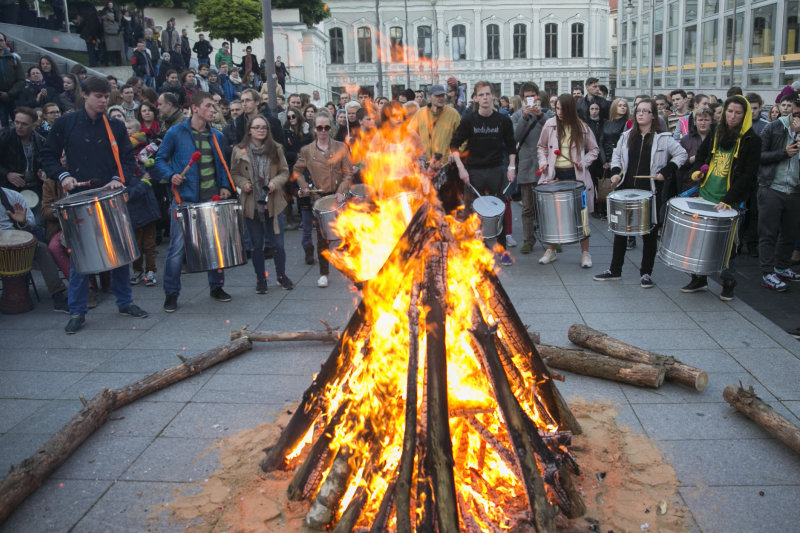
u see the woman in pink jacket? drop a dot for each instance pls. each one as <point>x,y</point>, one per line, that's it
<point>565,134</point>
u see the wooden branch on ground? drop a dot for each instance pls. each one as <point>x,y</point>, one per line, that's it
<point>601,366</point>
<point>598,341</point>
<point>754,408</point>
<point>331,335</point>
<point>190,367</point>
<point>406,466</point>
<point>26,477</point>
<point>439,456</point>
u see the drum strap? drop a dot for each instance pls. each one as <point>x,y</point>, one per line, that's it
<point>224,164</point>
<point>114,148</point>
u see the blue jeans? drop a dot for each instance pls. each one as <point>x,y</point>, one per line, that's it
<point>149,81</point>
<point>79,289</point>
<point>258,231</point>
<point>175,253</point>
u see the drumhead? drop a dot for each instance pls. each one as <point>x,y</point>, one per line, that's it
<point>327,204</point>
<point>489,206</point>
<point>210,203</point>
<point>700,207</point>
<point>560,186</point>
<point>14,238</point>
<point>360,190</point>
<point>30,197</point>
<point>92,195</point>
<point>630,194</point>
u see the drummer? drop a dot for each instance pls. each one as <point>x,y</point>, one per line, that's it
<point>207,178</point>
<point>732,154</point>
<point>84,137</point>
<point>328,163</point>
<point>642,151</point>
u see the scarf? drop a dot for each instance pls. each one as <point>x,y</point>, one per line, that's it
<point>260,163</point>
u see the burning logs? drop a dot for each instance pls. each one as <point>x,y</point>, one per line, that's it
<point>754,408</point>
<point>600,366</point>
<point>600,342</point>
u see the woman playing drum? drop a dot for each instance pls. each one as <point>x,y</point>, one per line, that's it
<point>328,163</point>
<point>566,149</point>
<point>642,151</point>
<point>259,168</point>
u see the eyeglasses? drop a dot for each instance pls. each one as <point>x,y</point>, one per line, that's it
<point>292,116</point>
<point>323,128</point>
<point>643,112</point>
<point>259,128</point>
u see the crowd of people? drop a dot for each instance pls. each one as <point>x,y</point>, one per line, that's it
<point>280,160</point>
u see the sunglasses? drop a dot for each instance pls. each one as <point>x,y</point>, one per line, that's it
<point>292,116</point>
<point>323,128</point>
<point>259,128</point>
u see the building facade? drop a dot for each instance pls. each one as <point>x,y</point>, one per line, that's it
<point>419,43</point>
<point>708,46</point>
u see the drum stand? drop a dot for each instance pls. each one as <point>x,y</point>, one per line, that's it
<point>16,298</point>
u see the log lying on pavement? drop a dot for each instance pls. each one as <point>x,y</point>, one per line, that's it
<point>600,342</point>
<point>601,366</point>
<point>28,476</point>
<point>754,408</point>
<point>330,335</point>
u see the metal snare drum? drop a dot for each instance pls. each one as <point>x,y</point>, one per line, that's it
<point>97,230</point>
<point>491,211</point>
<point>697,238</point>
<point>631,211</point>
<point>212,234</point>
<point>326,209</point>
<point>359,193</point>
<point>559,209</point>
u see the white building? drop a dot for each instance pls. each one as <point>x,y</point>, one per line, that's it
<point>693,42</point>
<point>421,42</point>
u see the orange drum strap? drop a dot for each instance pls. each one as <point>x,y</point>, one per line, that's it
<point>114,148</point>
<point>224,164</point>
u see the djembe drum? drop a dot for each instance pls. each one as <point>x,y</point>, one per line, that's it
<point>17,249</point>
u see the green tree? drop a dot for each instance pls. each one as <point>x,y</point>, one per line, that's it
<point>231,20</point>
<point>311,11</point>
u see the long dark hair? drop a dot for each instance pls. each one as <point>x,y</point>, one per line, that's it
<point>725,136</point>
<point>635,131</point>
<point>297,129</point>
<point>569,121</point>
<point>271,148</point>
<point>53,67</point>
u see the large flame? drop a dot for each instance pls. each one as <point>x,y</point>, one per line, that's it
<point>375,384</point>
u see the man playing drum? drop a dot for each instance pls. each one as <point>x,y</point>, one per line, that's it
<point>732,154</point>
<point>204,180</point>
<point>84,137</point>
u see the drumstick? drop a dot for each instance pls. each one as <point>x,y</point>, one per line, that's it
<point>644,177</point>
<point>558,153</point>
<point>192,160</point>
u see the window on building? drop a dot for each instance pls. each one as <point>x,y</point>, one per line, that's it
<point>551,87</point>
<point>398,53</point>
<point>658,50</point>
<point>364,45</point>
<point>690,45</point>
<point>763,43</point>
<point>690,10</point>
<point>672,48</point>
<point>710,7</point>
<point>397,89</point>
<point>623,57</point>
<point>658,19</point>
<point>734,36</point>
<point>424,42</point>
<point>336,91</point>
<point>577,40</point>
<point>336,39</point>
<point>492,41</point>
<point>459,42</point>
<point>520,41</point>
<point>710,41</point>
<point>792,35</point>
<point>497,89</point>
<point>673,14</point>
<point>551,40</point>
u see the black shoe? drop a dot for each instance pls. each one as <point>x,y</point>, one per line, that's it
<point>261,286</point>
<point>285,283</point>
<point>75,323</point>
<point>267,252</point>
<point>220,295</point>
<point>310,255</point>
<point>607,276</point>
<point>727,290</point>
<point>60,302</point>
<point>171,302</point>
<point>698,283</point>
<point>134,311</point>
<point>794,332</point>
<point>647,282</point>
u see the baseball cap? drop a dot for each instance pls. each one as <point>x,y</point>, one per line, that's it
<point>435,90</point>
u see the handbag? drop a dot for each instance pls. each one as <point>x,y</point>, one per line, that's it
<point>604,186</point>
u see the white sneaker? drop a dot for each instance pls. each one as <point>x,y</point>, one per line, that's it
<point>150,279</point>
<point>136,277</point>
<point>548,257</point>
<point>510,242</point>
<point>586,260</point>
<point>322,282</point>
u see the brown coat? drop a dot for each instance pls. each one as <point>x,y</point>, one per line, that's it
<point>51,192</point>
<point>331,171</point>
<point>242,173</point>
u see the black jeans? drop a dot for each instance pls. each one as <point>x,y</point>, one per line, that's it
<point>778,222</point>
<point>649,250</point>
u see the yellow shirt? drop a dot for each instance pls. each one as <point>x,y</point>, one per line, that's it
<point>435,132</point>
<point>561,161</point>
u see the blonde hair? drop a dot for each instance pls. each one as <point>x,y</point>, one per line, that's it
<point>614,114</point>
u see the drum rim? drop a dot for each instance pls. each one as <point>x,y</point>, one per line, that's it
<point>578,185</point>
<point>500,205</point>
<point>720,215</point>
<point>328,198</point>
<point>639,191</point>
<point>84,197</point>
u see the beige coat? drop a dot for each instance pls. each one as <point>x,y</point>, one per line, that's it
<point>242,173</point>
<point>331,171</point>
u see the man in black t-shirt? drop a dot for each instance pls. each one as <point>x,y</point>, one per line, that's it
<point>489,137</point>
